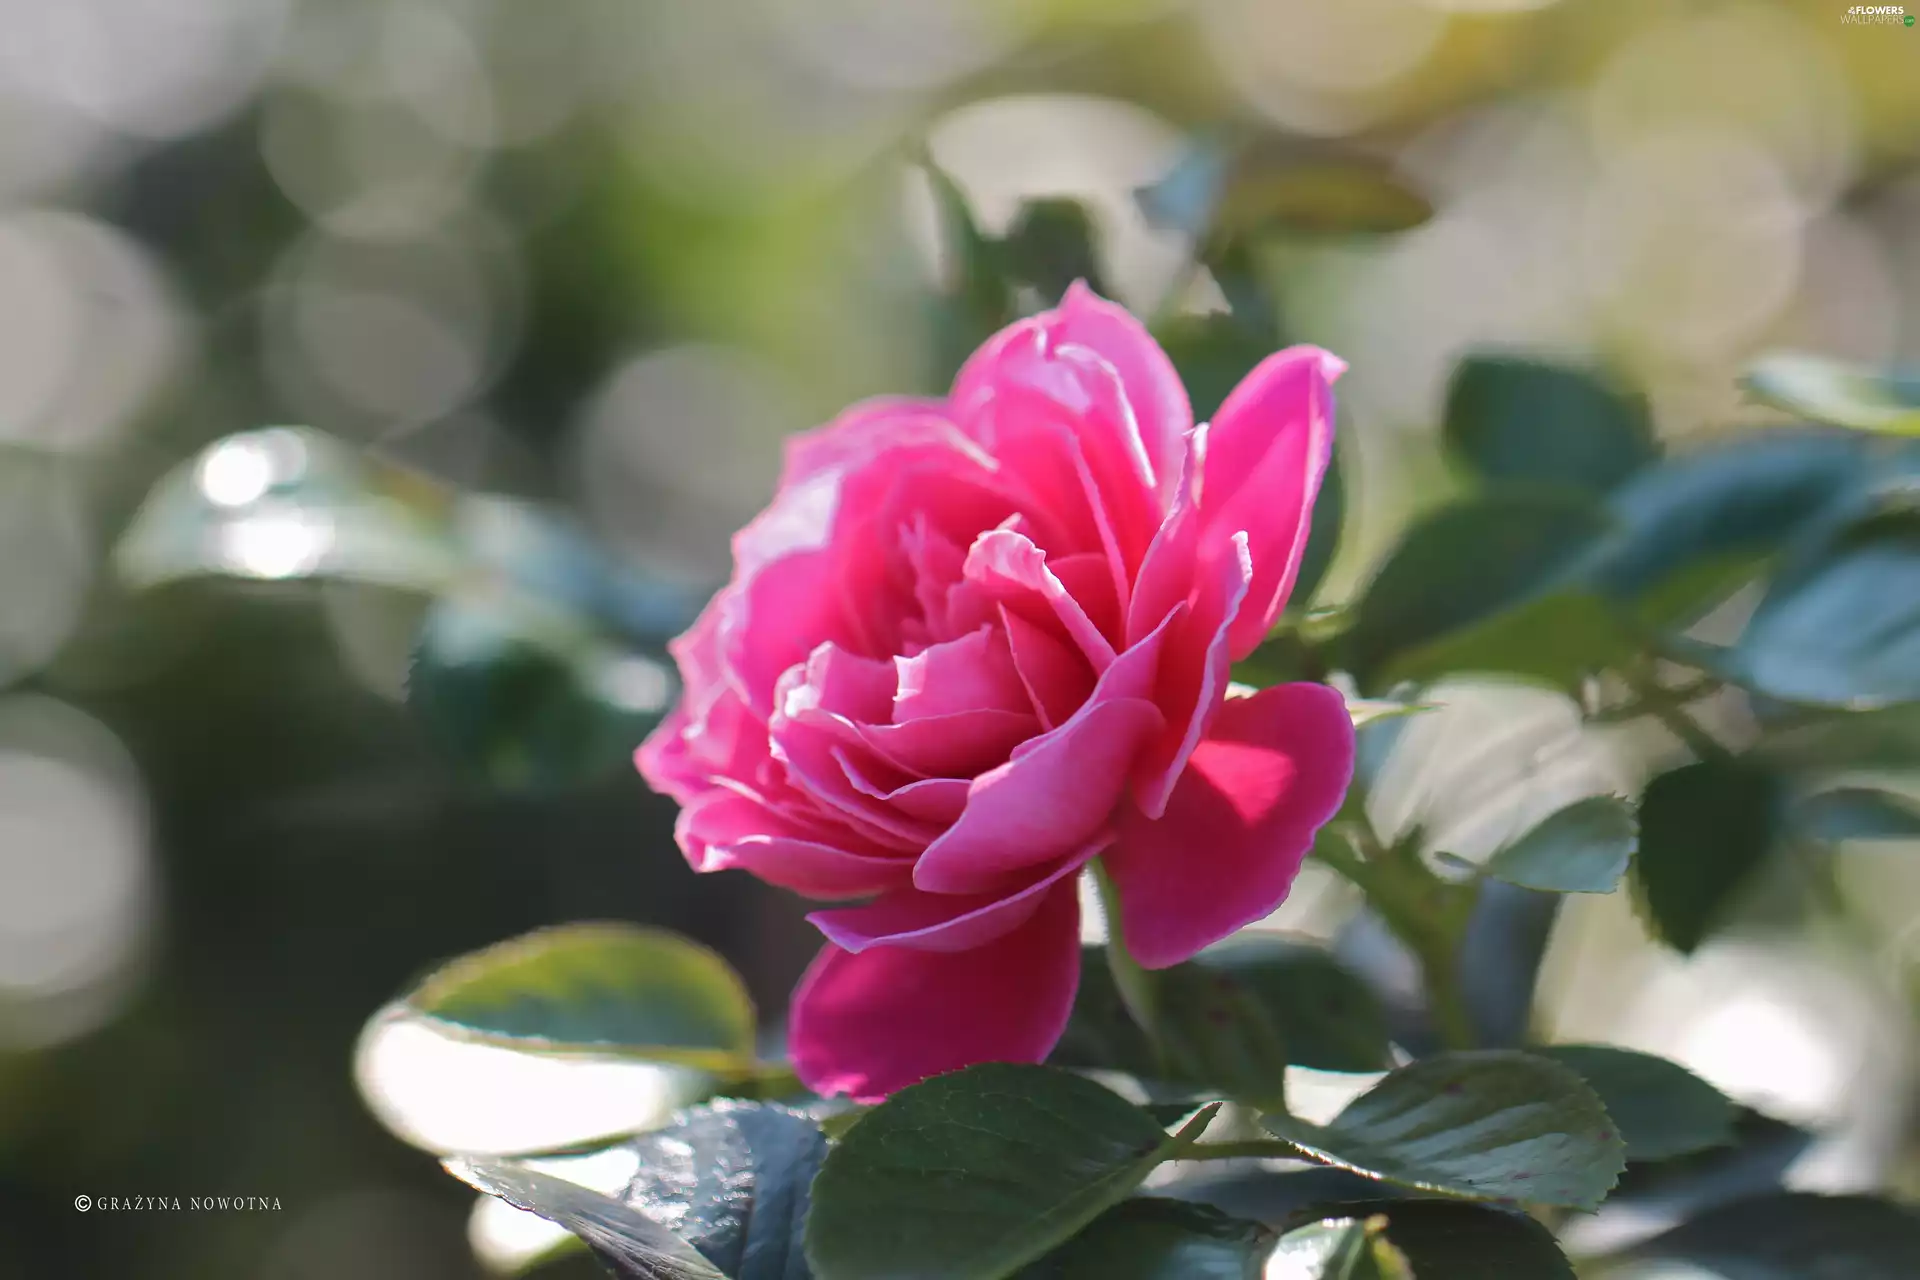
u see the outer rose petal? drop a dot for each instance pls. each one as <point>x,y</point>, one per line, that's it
<point>1267,450</point>
<point>872,1024</point>
<point>908,917</point>
<point>724,830</point>
<point>1272,771</point>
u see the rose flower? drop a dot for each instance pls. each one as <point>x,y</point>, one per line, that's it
<point>976,642</point>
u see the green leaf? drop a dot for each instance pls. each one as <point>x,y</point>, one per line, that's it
<point>1520,420</point>
<point>526,698</point>
<point>1444,1240</point>
<point>1829,391</point>
<point>1557,640</point>
<point>1762,1151</point>
<point>971,1176</point>
<point>597,988</point>
<point>1857,813</point>
<point>1342,1249</point>
<point>1050,245</point>
<point>1487,1125</point>
<point>733,1179</point>
<point>975,301</point>
<point>1705,829</point>
<point>1233,1018</point>
<point>1584,848</point>
<point>1842,627</point>
<point>1460,566</point>
<point>1153,1239</point>
<point>1796,1237</point>
<point>286,503</point>
<point>1688,519</point>
<point>1884,739</point>
<point>1662,1109</point>
<point>634,1246</point>
<point>1229,189</point>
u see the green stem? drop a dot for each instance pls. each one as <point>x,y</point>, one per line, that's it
<point>1134,983</point>
<point>1426,913</point>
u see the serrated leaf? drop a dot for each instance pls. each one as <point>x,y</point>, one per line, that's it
<point>1444,1240</point>
<point>1705,830</point>
<point>732,1179</point>
<point>633,1245</point>
<point>1154,1239</point>
<point>1584,848</point>
<point>972,1175</point>
<point>1662,1109</point>
<point>1857,813</point>
<point>1519,420</point>
<point>1796,1237</point>
<point>605,988</point>
<point>1830,391</point>
<point>1487,1125</point>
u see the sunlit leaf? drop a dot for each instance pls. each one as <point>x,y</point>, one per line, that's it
<point>1830,391</point>
<point>1841,626</point>
<point>1228,188</point>
<point>598,988</point>
<point>1518,420</point>
<point>1858,813</point>
<point>1556,639</point>
<point>1662,1109</point>
<point>631,1244</point>
<point>971,1176</point>
<point>1487,1125</point>
<point>1341,1249</point>
<point>1705,829</point>
<point>1584,848</point>
<point>1445,1240</point>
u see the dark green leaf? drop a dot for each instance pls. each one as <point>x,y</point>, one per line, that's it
<point>524,698</point>
<point>976,300</point>
<point>1762,1151</point>
<point>1842,627</point>
<point>1323,536</point>
<point>1584,848</point>
<point>1152,1239</point>
<point>1556,640</point>
<point>733,1178</point>
<point>1212,354</point>
<point>1506,939</point>
<point>599,988</point>
<point>1662,1109</point>
<point>1524,420</point>
<point>1858,813</point>
<point>1445,1240</point>
<point>1722,506</point>
<point>1796,1237</point>
<point>634,1246</point>
<point>1460,566</point>
<point>1829,391</point>
<point>971,1176</point>
<point>1488,1125</point>
<point>1235,1016</point>
<point>1050,245</point>
<point>1705,829</point>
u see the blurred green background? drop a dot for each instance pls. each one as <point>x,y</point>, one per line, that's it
<point>601,255</point>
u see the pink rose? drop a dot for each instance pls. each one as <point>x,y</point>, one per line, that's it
<point>977,641</point>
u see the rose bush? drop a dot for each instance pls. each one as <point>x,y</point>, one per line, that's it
<point>976,642</point>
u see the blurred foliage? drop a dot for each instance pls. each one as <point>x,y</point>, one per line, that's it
<point>447,236</point>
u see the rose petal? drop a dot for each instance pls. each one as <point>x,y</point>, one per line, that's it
<point>973,672</point>
<point>1273,769</point>
<point>1267,450</point>
<point>1056,791</point>
<point>871,1024</point>
<point>909,917</point>
<point>1055,674</point>
<point>1006,569</point>
<point>724,830</point>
